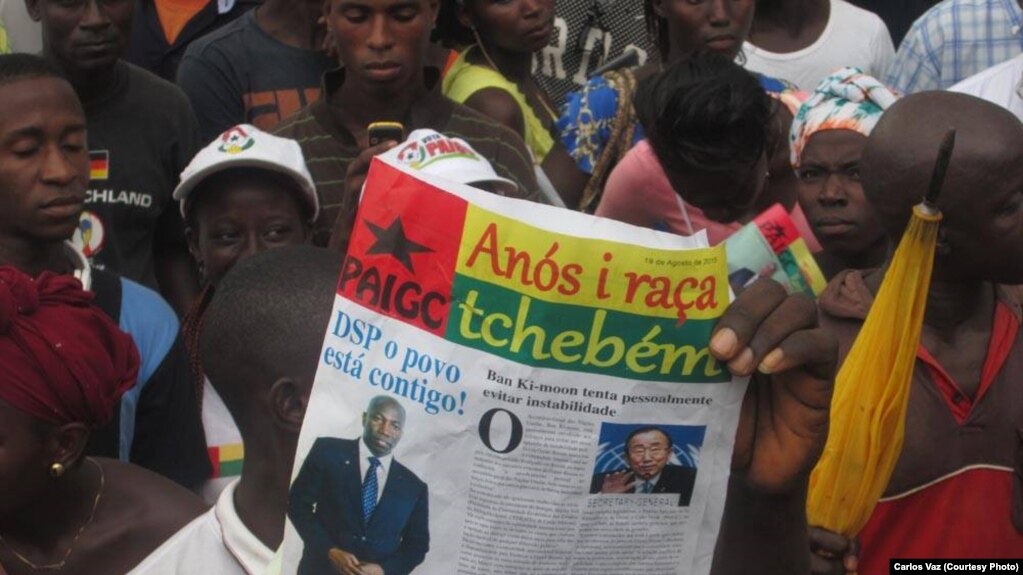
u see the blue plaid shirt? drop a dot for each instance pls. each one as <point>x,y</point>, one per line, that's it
<point>954,40</point>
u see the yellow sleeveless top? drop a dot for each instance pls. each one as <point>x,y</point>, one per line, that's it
<point>464,79</point>
<point>5,45</point>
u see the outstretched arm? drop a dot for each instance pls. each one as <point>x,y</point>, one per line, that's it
<point>784,424</point>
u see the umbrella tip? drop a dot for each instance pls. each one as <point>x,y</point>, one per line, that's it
<point>948,143</point>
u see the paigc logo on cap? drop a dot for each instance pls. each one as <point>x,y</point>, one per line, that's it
<point>433,148</point>
<point>235,141</point>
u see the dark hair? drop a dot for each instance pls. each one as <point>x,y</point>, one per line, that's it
<point>448,31</point>
<point>267,320</point>
<point>656,29</point>
<point>705,113</point>
<point>647,429</point>
<point>191,331</point>
<point>15,67</point>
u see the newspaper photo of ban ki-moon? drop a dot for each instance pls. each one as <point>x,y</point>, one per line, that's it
<point>510,388</point>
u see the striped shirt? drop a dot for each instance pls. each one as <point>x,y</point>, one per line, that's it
<point>954,40</point>
<point>329,146</point>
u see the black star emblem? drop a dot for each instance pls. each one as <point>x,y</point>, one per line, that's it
<point>773,232</point>
<point>394,242</point>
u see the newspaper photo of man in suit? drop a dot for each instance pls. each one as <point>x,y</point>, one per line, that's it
<point>357,509</point>
<point>647,450</point>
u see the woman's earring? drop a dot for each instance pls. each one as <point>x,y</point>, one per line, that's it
<point>942,246</point>
<point>56,470</point>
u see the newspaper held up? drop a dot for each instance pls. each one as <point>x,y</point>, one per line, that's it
<point>509,388</point>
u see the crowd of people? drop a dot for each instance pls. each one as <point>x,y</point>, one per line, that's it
<point>179,180</point>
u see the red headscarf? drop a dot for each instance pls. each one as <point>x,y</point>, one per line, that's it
<point>62,359</point>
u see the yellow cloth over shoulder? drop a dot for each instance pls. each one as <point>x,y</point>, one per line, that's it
<point>465,79</point>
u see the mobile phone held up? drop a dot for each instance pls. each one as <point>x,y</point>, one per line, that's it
<point>380,132</point>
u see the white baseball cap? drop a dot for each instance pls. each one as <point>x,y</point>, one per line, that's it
<point>248,146</point>
<point>454,159</point>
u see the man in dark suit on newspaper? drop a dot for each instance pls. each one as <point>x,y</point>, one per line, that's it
<point>648,449</point>
<point>359,511</point>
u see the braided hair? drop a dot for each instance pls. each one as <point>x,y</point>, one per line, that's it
<point>656,29</point>
<point>191,329</point>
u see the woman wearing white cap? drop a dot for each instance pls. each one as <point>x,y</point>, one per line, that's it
<point>244,193</point>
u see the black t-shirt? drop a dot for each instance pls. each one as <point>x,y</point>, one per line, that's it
<point>149,48</point>
<point>141,133</point>
<point>240,74</point>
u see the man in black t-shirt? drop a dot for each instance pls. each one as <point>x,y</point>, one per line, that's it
<point>141,134</point>
<point>259,69</point>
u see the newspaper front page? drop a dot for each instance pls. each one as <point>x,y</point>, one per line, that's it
<point>507,388</point>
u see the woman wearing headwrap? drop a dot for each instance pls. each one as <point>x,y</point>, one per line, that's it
<point>826,140</point>
<point>63,367</point>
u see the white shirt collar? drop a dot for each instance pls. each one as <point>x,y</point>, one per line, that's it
<point>365,454</point>
<point>246,548</point>
<point>652,481</point>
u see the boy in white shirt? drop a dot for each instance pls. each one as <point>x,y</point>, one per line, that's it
<point>259,346</point>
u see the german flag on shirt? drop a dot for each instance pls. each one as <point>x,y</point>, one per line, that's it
<point>99,164</point>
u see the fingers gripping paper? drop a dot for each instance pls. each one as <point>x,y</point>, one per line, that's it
<point>512,388</point>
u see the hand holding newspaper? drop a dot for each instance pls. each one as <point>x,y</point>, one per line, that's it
<point>510,388</point>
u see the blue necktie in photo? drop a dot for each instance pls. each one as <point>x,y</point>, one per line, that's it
<point>369,490</point>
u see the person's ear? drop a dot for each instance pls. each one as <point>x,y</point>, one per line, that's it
<point>943,247</point>
<point>34,10</point>
<point>288,401</point>
<point>434,11</point>
<point>464,18</point>
<point>65,446</point>
<point>193,242</point>
<point>192,239</point>
<point>658,6</point>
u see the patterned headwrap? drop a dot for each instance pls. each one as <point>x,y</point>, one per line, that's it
<point>784,91</point>
<point>845,100</point>
<point>62,360</point>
